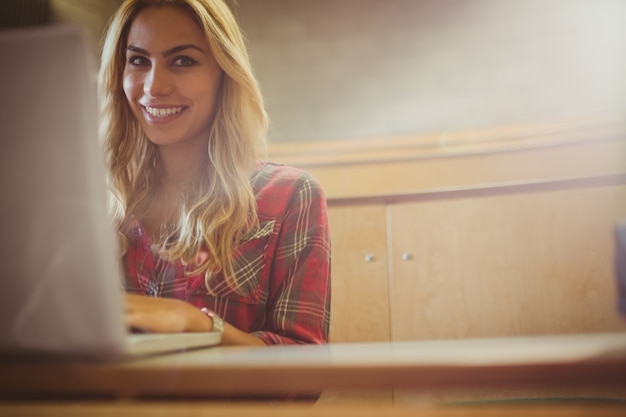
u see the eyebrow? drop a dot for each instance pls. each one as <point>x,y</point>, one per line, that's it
<point>171,51</point>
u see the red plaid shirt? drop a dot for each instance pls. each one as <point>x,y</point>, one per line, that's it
<point>283,267</point>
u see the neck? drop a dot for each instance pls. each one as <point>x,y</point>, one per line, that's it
<point>178,166</point>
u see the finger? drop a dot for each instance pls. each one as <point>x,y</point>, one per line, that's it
<point>156,320</point>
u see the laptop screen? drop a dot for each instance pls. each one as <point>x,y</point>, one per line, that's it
<point>59,292</point>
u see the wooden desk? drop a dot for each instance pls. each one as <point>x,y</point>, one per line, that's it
<point>273,410</point>
<point>598,360</point>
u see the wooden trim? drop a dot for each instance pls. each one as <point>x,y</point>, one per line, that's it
<point>484,190</point>
<point>446,144</point>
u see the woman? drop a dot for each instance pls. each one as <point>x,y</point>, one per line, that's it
<point>212,239</point>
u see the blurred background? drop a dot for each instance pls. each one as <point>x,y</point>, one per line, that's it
<point>341,69</point>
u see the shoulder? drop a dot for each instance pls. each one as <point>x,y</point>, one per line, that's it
<point>272,177</point>
<point>277,186</point>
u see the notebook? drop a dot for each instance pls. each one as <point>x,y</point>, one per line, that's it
<point>60,292</point>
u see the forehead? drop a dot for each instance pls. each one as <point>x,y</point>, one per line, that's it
<point>163,27</point>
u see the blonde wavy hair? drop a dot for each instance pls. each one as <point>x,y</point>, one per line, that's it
<point>222,207</point>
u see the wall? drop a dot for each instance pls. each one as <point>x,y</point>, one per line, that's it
<point>337,69</point>
<point>93,15</point>
<point>343,69</point>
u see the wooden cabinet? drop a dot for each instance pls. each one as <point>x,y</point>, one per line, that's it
<point>525,263</point>
<point>486,265</point>
<point>360,281</point>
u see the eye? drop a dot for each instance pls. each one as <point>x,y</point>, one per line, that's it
<point>183,61</point>
<point>138,60</point>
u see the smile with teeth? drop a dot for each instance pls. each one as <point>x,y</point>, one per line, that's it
<point>163,112</point>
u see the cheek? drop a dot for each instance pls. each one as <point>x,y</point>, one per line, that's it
<point>211,90</point>
<point>218,82</point>
<point>132,87</point>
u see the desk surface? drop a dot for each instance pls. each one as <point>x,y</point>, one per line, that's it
<point>598,359</point>
<point>284,410</point>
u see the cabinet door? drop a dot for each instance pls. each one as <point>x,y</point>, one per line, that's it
<point>360,297</point>
<point>523,263</point>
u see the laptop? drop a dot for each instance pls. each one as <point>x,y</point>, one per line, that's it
<point>60,284</point>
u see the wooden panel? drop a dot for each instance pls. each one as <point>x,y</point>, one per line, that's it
<point>531,152</point>
<point>360,301</point>
<point>565,161</point>
<point>518,264</point>
<point>443,144</point>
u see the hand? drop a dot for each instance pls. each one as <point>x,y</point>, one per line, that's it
<point>164,315</point>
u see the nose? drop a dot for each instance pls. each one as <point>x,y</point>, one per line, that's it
<point>158,82</point>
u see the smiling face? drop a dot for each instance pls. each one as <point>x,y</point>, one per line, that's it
<point>171,78</point>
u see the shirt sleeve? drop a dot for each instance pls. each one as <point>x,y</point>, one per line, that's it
<point>298,309</point>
